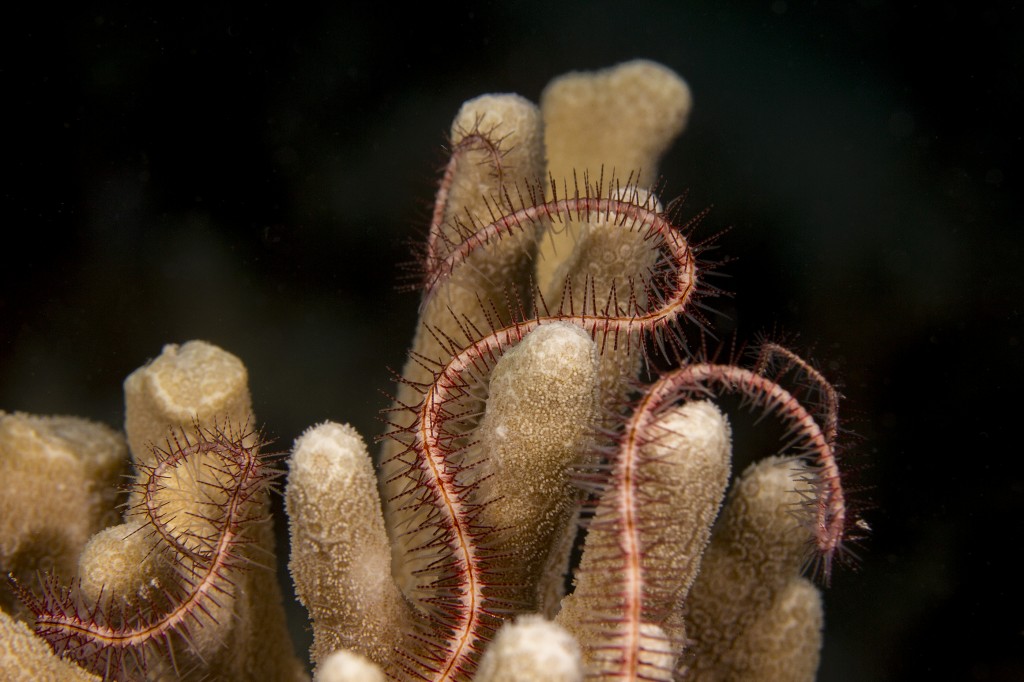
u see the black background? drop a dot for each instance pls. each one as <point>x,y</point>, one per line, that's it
<point>252,177</point>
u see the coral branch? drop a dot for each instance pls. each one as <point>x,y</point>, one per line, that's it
<point>41,532</point>
<point>750,612</point>
<point>339,547</point>
<point>807,438</point>
<point>110,639</point>
<point>531,649</point>
<point>646,537</point>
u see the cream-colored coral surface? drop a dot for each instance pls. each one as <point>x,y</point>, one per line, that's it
<point>447,553</point>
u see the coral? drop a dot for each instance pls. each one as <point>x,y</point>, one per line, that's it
<point>531,648</point>
<point>521,414</point>
<point>87,461</point>
<point>23,656</point>
<point>519,406</point>
<point>179,587</point>
<point>752,613</point>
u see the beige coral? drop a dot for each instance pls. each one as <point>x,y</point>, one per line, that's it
<point>753,616</point>
<point>449,559</point>
<point>534,649</point>
<point>346,666</point>
<point>492,414</point>
<point>341,558</point>
<point>199,383</point>
<point>237,632</point>
<point>513,126</point>
<point>674,497</point>
<point>24,657</point>
<point>70,465</point>
<point>619,120</point>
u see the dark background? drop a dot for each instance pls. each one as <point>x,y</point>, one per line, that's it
<point>253,177</point>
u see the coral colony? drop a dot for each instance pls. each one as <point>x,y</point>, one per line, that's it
<point>519,419</point>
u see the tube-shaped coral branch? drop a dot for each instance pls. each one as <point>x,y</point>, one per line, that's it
<point>199,383</point>
<point>473,189</point>
<point>617,120</point>
<point>538,424</point>
<point>531,650</point>
<point>341,558</point>
<point>195,382</point>
<point>750,614</point>
<point>646,538</point>
<point>24,656</point>
<point>348,666</point>
<point>624,117</point>
<point>39,531</point>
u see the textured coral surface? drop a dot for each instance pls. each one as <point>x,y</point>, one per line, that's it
<point>528,409</point>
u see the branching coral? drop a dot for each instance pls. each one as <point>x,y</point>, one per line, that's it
<point>519,416</point>
<point>180,586</point>
<point>542,304</point>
